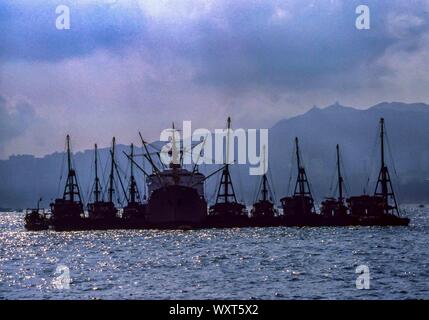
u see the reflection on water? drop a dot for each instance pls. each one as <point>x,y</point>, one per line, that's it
<point>262,263</point>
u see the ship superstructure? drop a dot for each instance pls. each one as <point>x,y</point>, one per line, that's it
<point>175,194</point>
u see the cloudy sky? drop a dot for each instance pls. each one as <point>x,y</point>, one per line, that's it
<point>130,65</point>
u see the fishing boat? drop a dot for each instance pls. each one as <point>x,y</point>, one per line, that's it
<point>135,210</point>
<point>264,207</point>
<point>299,209</point>
<point>227,210</point>
<point>36,219</point>
<point>67,212</point>
<point>382,207</point>
<point>334,210</point>
<point>103,214</point>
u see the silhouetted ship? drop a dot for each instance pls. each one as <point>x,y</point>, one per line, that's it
<point>67,212</point>
<point>103,214</point>
<point>334,210</point>
<point>298,209</point>
<point>176,195</point>
<point>227,210</point>
<point>135,210</point>
<point>381,208</point>
<point>263,209</point>
<point>176,199</point>
<point>35,219</point>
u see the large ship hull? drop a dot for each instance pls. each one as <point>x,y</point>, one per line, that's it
<point>175,206</point>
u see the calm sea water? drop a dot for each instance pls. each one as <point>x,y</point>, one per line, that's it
<point>262,263</point>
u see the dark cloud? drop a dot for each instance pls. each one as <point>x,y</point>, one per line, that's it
<point>28,30</point>
<point>292,44</point>
<point>131,63</point>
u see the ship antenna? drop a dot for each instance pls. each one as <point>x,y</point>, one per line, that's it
<point>112,167</point>
<point>340,177</point>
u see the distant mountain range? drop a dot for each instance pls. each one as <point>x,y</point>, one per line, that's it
<point>25,178</point>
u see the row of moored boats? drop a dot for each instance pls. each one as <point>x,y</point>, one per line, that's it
<point>176,199</point>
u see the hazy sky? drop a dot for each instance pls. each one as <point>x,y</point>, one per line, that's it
<point>131,65</point>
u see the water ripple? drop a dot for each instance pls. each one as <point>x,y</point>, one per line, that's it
<point>259,263</point>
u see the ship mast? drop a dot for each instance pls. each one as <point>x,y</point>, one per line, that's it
<point>72,188</point>
<point>302,186</point>
<point>264,179</point>
<point>384,180</point>
<point>97,180</point>
<point>148,157</point>
<point>111,176</point>
<point>226,182</point>
<point>133,184</point>
<point>340,177</point>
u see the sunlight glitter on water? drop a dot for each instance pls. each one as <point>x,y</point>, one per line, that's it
<point>260,263</point>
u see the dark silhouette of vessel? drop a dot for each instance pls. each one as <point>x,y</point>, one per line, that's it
<point>264,207</point>
<point>135,210</point>
<point>298,209</point>
<point>335,210</point>
<point>382,207</point>
<point>67,212</point>
<point>36,219</point>
<point>175,194</point>
<point>103,214</point>
<point>176,199</point>
<point>227,210</point>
